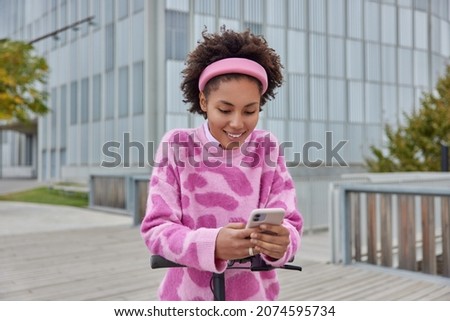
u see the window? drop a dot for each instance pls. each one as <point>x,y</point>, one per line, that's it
<point>298,97</point>
<point>205,6</point>
<point>177,35</point>
<point>336,57</point>
<point>97,98</point>
<point>389,64</point>
<point>54,22</point>
<point>53,163</point>
<point>138,88</point>
<point>373,103</point>
<point>296,60</point>
<point>317,18</point>
<point>63,20</point>
<point>255,28</point>
<point>62,157</point>
<point>405,27</point>
<point>420,30</point>
<point>74,17</point>
<point>123,9</point>
<point>138,5</point>
<point>355,101</point>
<point>63,116</point>
<point>109,95</point>
<point>421,4</point>
<point>73,103</point>
<point>253,10</point>
<point>230,8</point>
<point>109,11</point>
<point>84,13</point>
<point>337,105</point>
<point>97,13</point>
<point>354,16</point>
<point>373,61</point>
<point>84,100</point>
<point>318,64</point>
<point>28,150</point>
<point>54,113</point>
<point>388,24</point>
<point>123,91</point>
<point>354,59</point>
<point>336,17</point>
<point>318,96</point>
<point>109,47</point>
<point>44,164</point>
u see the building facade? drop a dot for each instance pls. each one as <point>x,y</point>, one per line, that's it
<point>351,67</point>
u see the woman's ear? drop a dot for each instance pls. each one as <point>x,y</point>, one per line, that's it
<point>202,101</point>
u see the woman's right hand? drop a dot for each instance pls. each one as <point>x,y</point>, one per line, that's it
<point>233,242</point>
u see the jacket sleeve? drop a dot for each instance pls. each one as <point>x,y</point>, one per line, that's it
<point>165,230</point>
<point>281,193</point>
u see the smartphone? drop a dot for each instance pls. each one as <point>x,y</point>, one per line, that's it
<point>260,216</point>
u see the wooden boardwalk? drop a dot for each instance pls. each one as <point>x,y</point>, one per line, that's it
<point>112,263</point>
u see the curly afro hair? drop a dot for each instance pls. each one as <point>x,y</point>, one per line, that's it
<point>228,44</point>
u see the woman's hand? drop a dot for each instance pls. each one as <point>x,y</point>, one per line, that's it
<point>273,243</point>
<point>233,242</point>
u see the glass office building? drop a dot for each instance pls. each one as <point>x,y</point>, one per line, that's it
<point>351,67</point>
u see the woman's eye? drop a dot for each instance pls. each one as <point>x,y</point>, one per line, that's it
<point>250,112</point>
<point>224,111</point>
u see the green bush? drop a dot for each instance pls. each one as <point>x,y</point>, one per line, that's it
<point>416,146</point>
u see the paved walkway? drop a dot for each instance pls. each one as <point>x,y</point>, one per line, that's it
<point>112,263</point>
<point>17,218</point>
<point>24,218</point>
<point>8,185</point>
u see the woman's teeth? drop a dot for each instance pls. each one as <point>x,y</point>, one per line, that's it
<point>234,135</point>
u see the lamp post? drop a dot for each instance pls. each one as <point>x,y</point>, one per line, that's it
<point>73,26</point>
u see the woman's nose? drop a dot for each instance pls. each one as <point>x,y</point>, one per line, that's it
<point>237,121</point>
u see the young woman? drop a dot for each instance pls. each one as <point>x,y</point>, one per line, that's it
<point>210,178</point>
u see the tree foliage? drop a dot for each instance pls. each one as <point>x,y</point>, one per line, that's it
<point>22,75</point>
<point>416,146</point>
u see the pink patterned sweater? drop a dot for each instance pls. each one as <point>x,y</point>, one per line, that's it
<point>195,189</point>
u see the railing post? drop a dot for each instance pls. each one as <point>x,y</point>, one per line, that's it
<point>371,228</point>
<point>445,221</point>
<point>140,199</point>
<point>91,190</point>
<point>386,229</point>
<point>355,214</point>
<point>346,230</point>
<point>407,233</point>
<point>428,235</point>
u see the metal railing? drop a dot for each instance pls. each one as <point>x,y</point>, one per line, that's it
<point>108,191</point>
<point>125,194</point>
<point>407,227</point>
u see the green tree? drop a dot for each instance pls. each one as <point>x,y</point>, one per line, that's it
<point>416,146</point>
<point>22,74</point>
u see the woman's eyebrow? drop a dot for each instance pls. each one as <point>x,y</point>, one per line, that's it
<point>232,105</point>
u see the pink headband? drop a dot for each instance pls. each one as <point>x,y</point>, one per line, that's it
<point>232,66</point>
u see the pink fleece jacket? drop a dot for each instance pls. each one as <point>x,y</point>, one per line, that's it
<point>195,189</point>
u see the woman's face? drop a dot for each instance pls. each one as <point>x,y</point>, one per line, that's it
<point>232,110</point>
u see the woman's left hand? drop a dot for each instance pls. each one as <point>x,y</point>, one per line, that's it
<point>271,240</point>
